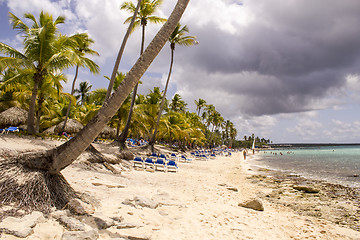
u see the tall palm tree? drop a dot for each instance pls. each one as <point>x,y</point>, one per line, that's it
<point>176,38</point>
<point>199,105</point>
<point>233,133</point>
<point>46,166</point>
<point>145,15</point>
<point>44,53</point>
<point>81,48</point>
<point>121,51</point>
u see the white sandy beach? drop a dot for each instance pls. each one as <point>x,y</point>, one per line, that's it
<point>198,202</point>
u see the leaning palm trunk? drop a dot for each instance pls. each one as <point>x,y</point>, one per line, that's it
<point>70,101</point>
<point>121,51</point>
<point>152,140</point>
<point>46,166</point>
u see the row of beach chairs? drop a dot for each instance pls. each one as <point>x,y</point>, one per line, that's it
<point>203,155</point>
<point>155,165</point>
<point>160,162</point>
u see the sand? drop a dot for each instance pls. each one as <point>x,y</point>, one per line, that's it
<point>200,201</point>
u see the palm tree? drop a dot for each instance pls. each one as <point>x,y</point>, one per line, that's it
<point>84,89</point>
<point>199,105</point>
<point>145,15</point>
<point>82,48</point>
<point>49,89</point>
<point>177,37</point>
<point>121,51</point>
<point>233,133</point>
<point>177,104</point>
<point>42,169</point>
<point>44,53</point>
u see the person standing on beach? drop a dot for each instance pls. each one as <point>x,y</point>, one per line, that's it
<point>244,153</point>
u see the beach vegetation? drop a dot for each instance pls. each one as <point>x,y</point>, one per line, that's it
<point>78,58</point>
<point>45,53</point>
<point>34,179</point>
<point>144,16</point>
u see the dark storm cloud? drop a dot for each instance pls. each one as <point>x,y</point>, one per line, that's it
<point>307,47</point>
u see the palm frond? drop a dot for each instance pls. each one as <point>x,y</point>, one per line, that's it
<point>9,51</point>
<point>32,18</point>
<point>16,23</point>
<point>12,62</point>
<point>154,19</point>
<point>91,65</point>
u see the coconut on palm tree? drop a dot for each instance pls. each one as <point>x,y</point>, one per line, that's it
<point>44,53</point>
<point>176,38</point>
<point>145,15</point>
<point>44,185</point>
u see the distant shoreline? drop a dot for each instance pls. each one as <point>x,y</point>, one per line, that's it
<point>295,145</point>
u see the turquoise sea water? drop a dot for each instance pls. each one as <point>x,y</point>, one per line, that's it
<point>336,164</point>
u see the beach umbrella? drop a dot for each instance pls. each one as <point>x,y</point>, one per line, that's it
<point>14,116</point>
<point>72,126</point>
<point>108,132</point>
<point>223,146</point>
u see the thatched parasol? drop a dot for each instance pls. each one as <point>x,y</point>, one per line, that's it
<point>14,116</point>
<point>72,126</point>
<point>108,132</point>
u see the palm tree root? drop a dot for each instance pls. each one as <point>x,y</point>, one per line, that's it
<point>32,189</point>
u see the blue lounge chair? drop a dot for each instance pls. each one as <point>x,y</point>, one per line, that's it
<point>173,157</point>
<point>171,165</point>
<point>149,164</point>
<point>162,156</point>
<point>183,158</point>
<point>154,156</point>
<point>138,162</point>
<point>160,163</point>
<point>11,129</point>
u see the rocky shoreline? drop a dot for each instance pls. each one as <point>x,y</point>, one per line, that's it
<point>307,197</point>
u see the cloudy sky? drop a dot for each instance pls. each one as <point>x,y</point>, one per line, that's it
<point>284,70</point>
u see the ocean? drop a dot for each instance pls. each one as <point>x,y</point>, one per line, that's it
<point>335,164</point>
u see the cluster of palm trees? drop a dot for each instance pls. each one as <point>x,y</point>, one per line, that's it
<point>32,79</point>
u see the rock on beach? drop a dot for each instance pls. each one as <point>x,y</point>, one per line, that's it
<point>21,227</point>
<point>254,204</point>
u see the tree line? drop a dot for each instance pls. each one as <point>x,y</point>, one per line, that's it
<point>32,78</point>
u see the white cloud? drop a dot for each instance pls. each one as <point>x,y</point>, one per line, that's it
<point>343,131</point>
<point>306,128</point>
